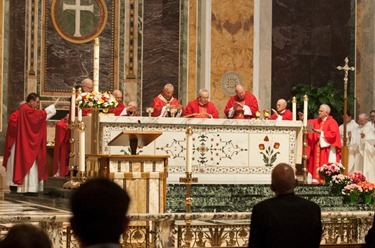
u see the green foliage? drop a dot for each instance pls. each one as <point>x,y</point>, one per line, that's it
<point>327,94</point>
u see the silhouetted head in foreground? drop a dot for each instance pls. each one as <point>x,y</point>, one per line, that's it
<point>26,236</point>
<point>99,208</point>
<point>283,179</point>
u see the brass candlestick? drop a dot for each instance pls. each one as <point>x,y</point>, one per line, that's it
<point>304,155</point>
<point>72,183</point>
<point>188,180</point>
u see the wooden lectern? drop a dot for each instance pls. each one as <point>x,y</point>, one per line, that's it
<point>143,176</point>
<point>134,139</point>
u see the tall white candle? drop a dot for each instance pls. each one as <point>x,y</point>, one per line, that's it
<point>305,113</point>
<point>189,149</point>
<point>294,108</point>
<point>82,151</point>
<point>96,65</point>
<point>79,114</point>
<point>73,106</point>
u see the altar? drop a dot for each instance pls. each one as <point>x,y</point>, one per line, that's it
<point>224,150</point>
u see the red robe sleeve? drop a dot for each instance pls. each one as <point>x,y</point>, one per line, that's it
<point>332,132</point>
<point>194,107</point>
<point>286,116</point>
<point>62,148</point>
<point>157,104</point>
<point>11,135</point>
<point>30,143</point>
<point>252,102</point>
<point>229,105</point>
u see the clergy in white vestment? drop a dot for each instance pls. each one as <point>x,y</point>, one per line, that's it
<point>350,126</point>
<point>362,137</point>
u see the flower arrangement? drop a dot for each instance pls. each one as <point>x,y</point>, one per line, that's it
<point>357,177</point>
<point>331,169</point>
<point>367,187</point>
<point>341,179</point>
<point>352,189</point>
<point>96,100</point>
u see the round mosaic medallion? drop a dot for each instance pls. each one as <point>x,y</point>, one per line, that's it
<point>229,81</point>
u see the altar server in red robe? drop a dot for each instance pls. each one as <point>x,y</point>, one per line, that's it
<point>243,105</point>
<point>164,104</point>
<point>30,152</point>
<point>201,107</point>
<point>62,148</point>
<point>324,143</point>
<point>10,141</point>
<point>281,112</point>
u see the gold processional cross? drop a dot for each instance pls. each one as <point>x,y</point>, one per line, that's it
<point>345,150</point>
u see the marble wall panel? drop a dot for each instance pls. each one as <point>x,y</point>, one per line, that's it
<point>192,83</point>
<point>160,48</point>
<point>310,39</point>
<point>17,46</point>
<point>365,54</point>
<point>66,63</point>
<point>231,45</point>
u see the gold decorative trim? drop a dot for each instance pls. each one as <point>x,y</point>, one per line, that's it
<point>32,38</point>
<point>77,38</point>
<point>132,40</point>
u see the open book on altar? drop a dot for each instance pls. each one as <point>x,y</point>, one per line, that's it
<point>135,139</point>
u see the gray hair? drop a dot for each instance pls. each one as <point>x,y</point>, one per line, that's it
<point>326,107</point>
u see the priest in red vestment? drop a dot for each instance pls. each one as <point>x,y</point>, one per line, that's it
<point>30,151</point>
<point>281,112</point>
<point>165,105</point>
<point>243,105</point>
<point>201,107</point>
<point>9,146</point>
<point>324,143</point>
<point>117,94</point>
<point>62,148</point>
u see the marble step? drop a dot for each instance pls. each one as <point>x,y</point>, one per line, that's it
<point>241,198</point>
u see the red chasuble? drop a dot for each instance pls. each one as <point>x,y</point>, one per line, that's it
<point>194,107</point>
<point>286,115</point>
<point>10,137</point>
<point>62,148</point>
<point>249,100</point>
<point>159,102</point>
<point>316,155</point>
<point>30,143</point>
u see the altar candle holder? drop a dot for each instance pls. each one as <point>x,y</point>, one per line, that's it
<point>188,180</point>
<point>72,183</point>
<point>304,155</point>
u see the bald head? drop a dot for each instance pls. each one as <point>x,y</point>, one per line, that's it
<point>240,91</point>
<point>117,94</point>
<point>283,179</point>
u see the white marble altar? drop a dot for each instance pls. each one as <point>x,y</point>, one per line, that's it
<point>224,150</point>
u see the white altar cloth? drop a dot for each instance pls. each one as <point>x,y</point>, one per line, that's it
<point>224,150</point>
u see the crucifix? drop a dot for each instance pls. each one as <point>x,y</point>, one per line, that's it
<point>345,150</point>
